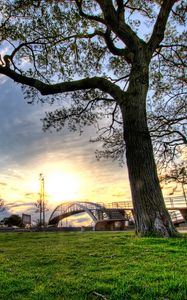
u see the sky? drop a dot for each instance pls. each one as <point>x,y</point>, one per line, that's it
<point>67,160</point>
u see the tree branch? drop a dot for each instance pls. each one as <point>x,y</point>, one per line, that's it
<point>160,25</point>
<point>89,17</point>
<point>169,132</point>
<point>120,11</point>
<point>118,26</point>
<point>113,49</point>
<point>50,89</point>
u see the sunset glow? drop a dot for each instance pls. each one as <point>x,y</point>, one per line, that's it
<point>66,160</point>
<point>62,186</point>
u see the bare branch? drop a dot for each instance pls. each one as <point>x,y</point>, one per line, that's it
<point>89,17</point>
<point>160,25</point>
<point>118,26</point>
<point>83,84</point>
<point>117,51</point>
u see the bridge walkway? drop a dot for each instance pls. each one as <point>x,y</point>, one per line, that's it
<point>177,206</point>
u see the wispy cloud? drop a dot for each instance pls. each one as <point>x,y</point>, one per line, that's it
<point>26,151</point>
<point>18,204</point>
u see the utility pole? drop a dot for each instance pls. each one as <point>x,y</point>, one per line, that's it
<point>42,200</point>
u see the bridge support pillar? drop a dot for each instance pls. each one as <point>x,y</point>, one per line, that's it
<point>110,225</point>
<point>184,213</point>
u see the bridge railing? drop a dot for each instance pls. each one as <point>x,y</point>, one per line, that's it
<point>171,202</point>
<point>121,204</point>
<point>124,204</point>
<point>175,202</point>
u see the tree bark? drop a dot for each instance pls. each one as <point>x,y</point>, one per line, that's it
<point>151,215</point>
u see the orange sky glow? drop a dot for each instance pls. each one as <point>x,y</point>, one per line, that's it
<point>67,160</point>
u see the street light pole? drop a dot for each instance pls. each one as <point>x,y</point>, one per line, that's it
<point>42,199</point>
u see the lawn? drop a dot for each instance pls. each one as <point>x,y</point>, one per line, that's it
<point>91,265</point>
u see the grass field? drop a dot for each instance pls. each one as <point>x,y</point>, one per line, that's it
<point>90,265</point>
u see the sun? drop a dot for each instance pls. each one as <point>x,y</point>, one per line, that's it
<point>61,186</point>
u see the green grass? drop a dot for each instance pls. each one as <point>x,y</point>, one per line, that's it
<point>75,265</point>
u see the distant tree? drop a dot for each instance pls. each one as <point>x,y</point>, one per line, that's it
<point>41,203</point>
<point>41,206</point>
<point>14,220</point>
<point>100,55</point>
<point>177,176</point>
<point>2,205</point>
<point>38,205</point>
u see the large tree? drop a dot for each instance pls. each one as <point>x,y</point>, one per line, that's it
<point>101,58</point>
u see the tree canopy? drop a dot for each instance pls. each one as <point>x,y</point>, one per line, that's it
<point>57,41</point>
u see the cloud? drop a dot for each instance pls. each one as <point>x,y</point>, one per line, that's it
<point>30,194</point>
<point>22,138</point>
<point>82,219</point>
<point>26,151</point>
<point>119,195</point>
<point>18,204</point>
<point>3,79</point>
<point>4,214</point>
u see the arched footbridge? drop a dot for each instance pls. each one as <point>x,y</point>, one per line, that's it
<point>113,215</point>
<point>104,218</point>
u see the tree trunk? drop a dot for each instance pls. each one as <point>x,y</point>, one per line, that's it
<point>151,215</point>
